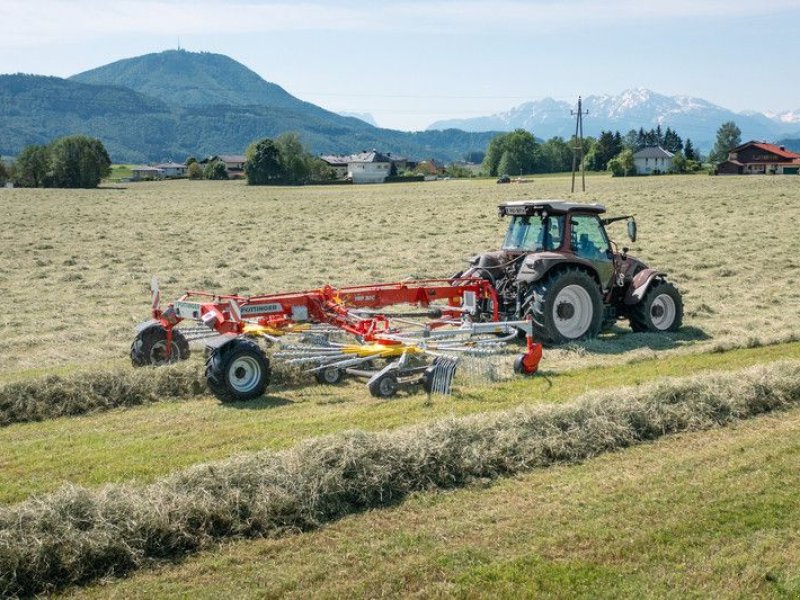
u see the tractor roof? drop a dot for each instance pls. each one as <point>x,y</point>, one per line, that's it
<point>552,207</point>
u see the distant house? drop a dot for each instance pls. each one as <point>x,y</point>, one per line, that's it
<point>172,169</point>
<point>145,173</point>
<point>652,160</point>
<point>234,163</point>
<point>337,163</point>
<point>760,158</point>
<point>368,167</point>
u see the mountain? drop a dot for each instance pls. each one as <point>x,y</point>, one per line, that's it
<point>366,117</point>
<point>694,118</point>
<point>183,78</point>
<point>177,103</point>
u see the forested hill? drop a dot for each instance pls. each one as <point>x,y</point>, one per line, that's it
<point>176,103</point>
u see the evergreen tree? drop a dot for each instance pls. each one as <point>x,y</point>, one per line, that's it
<point>630,139</point>
<point>3,173</point>
<point>688,150</point>
<point>658,136</point>
<point>672,141</point>
<point>641,140</point>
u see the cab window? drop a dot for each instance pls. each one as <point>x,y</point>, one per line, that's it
<point>588,239</point>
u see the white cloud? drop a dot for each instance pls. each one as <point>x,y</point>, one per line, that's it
<point>26,23</point>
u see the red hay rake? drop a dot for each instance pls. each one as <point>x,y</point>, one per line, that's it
<point>337,332</point>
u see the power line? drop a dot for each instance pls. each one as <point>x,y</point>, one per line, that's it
<point>578,147</point>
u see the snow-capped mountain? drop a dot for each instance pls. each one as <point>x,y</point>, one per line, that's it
<point>691,117</point>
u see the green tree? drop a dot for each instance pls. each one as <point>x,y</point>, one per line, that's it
<point>729,136</point>
<point>321,171</point>
<point>3,173</point>
<point>672,141</point>
<point>78,161</point>
<point>688,150</point>
<point>678,163</point>
<point>32,167</point>
<point>508,164</point>
<point>553,156</point>
<point>195,171</point>
<point>262,165</point>
<point>294,159</point>
<point>622,164</point>
<point>190,161</point>
<point>521,146</point>
<point>215,170</point>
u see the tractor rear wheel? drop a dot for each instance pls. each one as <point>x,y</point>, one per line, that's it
<point>150,347</point>
<point>237,371</point>
<point>661,309</point>
<point>566,307</point>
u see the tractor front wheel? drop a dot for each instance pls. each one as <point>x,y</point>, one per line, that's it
<point>566,307</point>
<point>661,309</point>
<point>150,347</point>
<point>237,371</point>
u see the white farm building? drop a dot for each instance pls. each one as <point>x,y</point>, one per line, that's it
<point>653,159</point>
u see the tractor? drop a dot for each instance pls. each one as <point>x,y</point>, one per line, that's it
<point>558,266</point>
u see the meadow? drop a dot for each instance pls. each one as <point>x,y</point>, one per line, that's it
<point>75,271</point>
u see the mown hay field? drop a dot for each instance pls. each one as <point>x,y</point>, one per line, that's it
<point>76,265</point>
<point>75,269</point>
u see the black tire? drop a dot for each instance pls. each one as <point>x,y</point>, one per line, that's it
<point>566,307</point>
<point>150,345</point>
<point>384,386</point>
<point>660,310</point>
<point>237,371</point>
<point>329,376</point>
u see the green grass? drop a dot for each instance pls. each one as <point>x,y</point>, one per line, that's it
<point>119,172</point>
<point>147,442</point>
<point>709,514</point>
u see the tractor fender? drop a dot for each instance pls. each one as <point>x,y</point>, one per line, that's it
<point>536,266</point>
<point>219,341</point>
<point>640,284</point>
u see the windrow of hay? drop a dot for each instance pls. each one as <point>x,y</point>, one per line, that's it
<point>77,534</point>
<point>92,391</point>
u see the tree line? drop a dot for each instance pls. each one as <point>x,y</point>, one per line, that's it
<point>518,152</point>
<point>75,161</point>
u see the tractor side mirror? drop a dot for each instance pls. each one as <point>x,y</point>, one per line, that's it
<point>632,229</point>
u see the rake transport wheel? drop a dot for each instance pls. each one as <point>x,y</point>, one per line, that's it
<point>150,347</point>
<point>237,371</point>
<point>566,307</point>
<point>661,309</point>
<point>329,376</point>
<point>384,386</point>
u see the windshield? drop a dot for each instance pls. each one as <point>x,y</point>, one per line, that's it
<point>534,234</point>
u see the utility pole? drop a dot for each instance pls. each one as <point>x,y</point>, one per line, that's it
<point>578,147</point>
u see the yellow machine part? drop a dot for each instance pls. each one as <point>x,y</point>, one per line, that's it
<point>254,329</point>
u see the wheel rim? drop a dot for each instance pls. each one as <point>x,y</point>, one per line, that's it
<point>573,311</point>
<point>244,374</point>
<point>158,353</point>
<point>386,386</point>
<point>662,312</point>
<point>331,375</point>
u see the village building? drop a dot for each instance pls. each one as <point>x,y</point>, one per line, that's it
<point>146,173</point>
<point>172,169</point>
<point>234,164</point>
<point>760,158</point>
<point>368,167</point>
<point>337,163</point>
<point>653,160</point>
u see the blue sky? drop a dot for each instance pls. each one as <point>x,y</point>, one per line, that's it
<point>410,63</point>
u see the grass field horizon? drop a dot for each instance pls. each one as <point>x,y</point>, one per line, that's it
<point>75,273</point>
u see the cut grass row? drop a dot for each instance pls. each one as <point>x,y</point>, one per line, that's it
<point>711,514</point>
<point>76,535</point>
<point>144,443</point>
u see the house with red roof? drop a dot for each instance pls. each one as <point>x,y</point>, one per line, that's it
<point>760,158</point>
